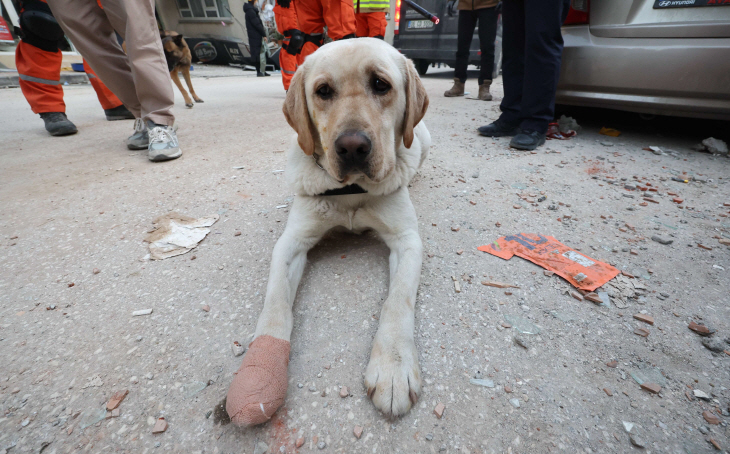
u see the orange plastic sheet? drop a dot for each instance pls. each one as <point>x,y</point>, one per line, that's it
<point>581,271</point>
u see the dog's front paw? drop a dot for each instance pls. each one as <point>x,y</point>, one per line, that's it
<point>189,105</point>
<point>393,378</point>
<point>198,100</point>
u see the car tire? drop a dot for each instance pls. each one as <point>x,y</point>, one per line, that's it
<point>421,66</point>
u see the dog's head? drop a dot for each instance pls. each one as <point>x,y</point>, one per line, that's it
<point>173,45</point>
<point>352,103</point>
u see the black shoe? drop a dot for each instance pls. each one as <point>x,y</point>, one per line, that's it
<point>498,129</point>
<point>118,113</point>
<point>266,74</point>
<point>57,124</point>
<point>527,140</point>
<point>260,74</point>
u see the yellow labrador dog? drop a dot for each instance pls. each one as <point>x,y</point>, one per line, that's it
<point>356,106</point>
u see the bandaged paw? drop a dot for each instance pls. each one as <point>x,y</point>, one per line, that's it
<point>259,388</point>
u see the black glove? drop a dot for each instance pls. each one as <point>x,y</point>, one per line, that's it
<point>296,41</point>
<point>283,3</point>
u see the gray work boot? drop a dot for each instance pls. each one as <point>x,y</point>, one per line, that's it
<point>163,143</point>
<point>456,90</point>
<point>118,113</point>
<point>139,140</point>
<point>57,124</point>
<point>484,94</point>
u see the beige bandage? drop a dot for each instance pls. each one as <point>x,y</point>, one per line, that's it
<point>259,388</point>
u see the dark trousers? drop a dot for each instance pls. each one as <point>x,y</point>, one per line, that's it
<point>487,18</point>
<point>255,47</point>
<point>532,47</point>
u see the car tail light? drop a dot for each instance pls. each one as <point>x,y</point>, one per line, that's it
<point>578,12</point>
<point>397,17</point>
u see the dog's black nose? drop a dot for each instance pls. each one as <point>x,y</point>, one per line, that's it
<point>353,148</point>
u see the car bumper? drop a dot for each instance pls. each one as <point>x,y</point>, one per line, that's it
<point>664,76</point>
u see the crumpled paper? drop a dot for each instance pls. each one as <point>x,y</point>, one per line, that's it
<point>177,234</point>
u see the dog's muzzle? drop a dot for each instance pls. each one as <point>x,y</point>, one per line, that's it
<point>353,151</point>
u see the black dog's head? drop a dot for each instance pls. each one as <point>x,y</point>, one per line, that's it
<point>173,46</point>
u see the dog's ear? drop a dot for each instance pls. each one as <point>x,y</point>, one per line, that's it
<point>178,39</point>
<point>297,113</point>
<point>416,103</point>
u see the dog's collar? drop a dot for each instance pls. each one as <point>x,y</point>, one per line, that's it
<point>347,190</point>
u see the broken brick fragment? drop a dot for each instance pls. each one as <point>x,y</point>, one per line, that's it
<point>116,399</point>
<point>641,332</point>
<point>651,387</point>
<point>644,318</point>
<point>613,364</point>
<point>702,330</point>
<point>577,296</point>
<point>439,410</point>
<point>160,426</point>
<point>710,417</point>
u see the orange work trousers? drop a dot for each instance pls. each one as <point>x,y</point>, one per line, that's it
<point>39,72</point>
<point>371,24</point>
<point>286,19</point>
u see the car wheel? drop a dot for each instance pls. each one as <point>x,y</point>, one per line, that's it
<point>421,66</point>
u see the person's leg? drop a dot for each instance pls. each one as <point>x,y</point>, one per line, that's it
<point>286,20</point>
<point>513,60</point>
<point>39,74</point>
<point>107,99</point>
<point>311,22</point>
<point>543,51</point>
<point>361,25</point>
<point>135,21</point>
<point>467,22</point>
<point>376,25</point>
<point>88,27</point>
<point>487,18</point>
<point>339,16</point>
<point>256,54</point>
<point>262,58</point>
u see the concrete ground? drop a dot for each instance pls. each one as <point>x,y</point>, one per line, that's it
<point>69,341</point>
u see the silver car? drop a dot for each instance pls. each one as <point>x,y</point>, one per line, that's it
<point>664,57</point>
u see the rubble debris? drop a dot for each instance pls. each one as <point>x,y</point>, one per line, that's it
<point>439,410</point>
<point>637,440</point>
<point>321,445</point>
<point>712,145</point>
<point>193,388</point>
<point>701,394</point>
<point>581,271</point>
<point>593,298</point>
<point>612,364</point>
<point>566,124</point>
<point>642,332</point>
<point>299,443</point>
<point>515,402</point>
<point>519,340</point>
<point>623,290</point>
<point>91,417</point>
<point>644,318</point>
<point>577,296</point>
<point>176,234</point>
<point>357,431</point>
<point>344,392</point>
<point>522,325</point>
<point>554,132</point>
<point>498,284</point>
<point>715,444</point>
<point>116,399</point>
<point>609,132</point>
<point>710,417</point>
<point>714,345</point>
<point>237,348</point>
<point>608,392</point>
<point>655,150</point>
<point>160,426</point>
<point>487,383</point>
<point>261,448</point>
<point>205,308</point>
<point>702,330</point>
<point>661,240</point>
<point>141,312</point>
<point>648,374</point>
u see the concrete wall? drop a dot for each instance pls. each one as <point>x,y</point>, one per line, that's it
<point>228,27</point>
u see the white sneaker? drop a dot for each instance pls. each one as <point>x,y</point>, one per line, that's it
<point>163,144</point>
<point>138,140</point>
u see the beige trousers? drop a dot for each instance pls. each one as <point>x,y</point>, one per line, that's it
<point>140,78</point>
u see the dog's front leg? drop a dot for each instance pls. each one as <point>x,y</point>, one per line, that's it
<point>259,387</point>
<point>393,377</point>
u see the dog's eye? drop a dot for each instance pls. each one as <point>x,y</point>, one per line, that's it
<point>380,86</point>
<point>325,92</point>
